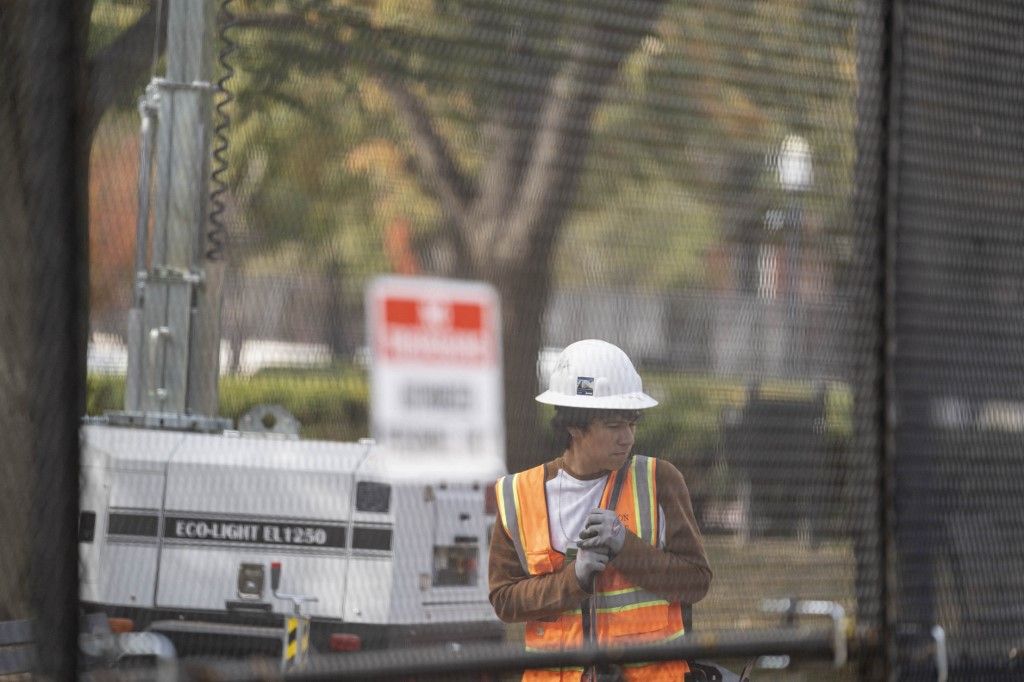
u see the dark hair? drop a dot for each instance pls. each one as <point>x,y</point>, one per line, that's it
<point>582,418</point>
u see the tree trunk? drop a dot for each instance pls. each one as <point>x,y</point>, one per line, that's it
<point>505,223</point>
<point>524,294</point>
<point>339,337</point>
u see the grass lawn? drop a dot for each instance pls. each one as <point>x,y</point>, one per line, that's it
<point>746,574</point>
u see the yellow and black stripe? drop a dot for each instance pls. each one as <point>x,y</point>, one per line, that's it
<point>291,640</point>
<point>296,642</point>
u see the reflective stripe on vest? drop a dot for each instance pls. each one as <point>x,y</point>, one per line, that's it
<point>645,499</point>
<point>505,489</point>
<point>625,599</point>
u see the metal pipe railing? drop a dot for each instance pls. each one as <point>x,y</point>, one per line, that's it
<point>816,607</point>
<point>797,643</point>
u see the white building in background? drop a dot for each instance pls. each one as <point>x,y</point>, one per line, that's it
<point>108,354</point>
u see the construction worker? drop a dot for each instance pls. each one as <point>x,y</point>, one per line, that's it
<point>598,545</point>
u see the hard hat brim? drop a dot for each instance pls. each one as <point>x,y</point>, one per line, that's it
<point>625,401</point>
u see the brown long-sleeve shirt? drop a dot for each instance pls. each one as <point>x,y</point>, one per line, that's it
<point>679,572</point>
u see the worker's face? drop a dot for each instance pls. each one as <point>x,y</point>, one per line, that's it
<point>606,443</point>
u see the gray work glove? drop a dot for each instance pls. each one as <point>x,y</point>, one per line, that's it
<point>603,529</point>
<point>590,562</point>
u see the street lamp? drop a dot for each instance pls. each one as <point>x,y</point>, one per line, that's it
<point>793,163</point>
<point>795,174</point>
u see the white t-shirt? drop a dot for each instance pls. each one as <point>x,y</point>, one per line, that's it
<point>571,500</point>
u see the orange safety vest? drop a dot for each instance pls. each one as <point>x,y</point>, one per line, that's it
<point>625,613</point>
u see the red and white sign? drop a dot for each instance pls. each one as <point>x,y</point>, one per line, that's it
<point>436,384</point>
<point>422,328</point>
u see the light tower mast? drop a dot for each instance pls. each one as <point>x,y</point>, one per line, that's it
<point>174,323</point>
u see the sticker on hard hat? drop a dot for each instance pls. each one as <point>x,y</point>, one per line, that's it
<point>584,385</point>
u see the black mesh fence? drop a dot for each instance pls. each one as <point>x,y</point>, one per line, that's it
<point>314,223</point>
<point>43,331</point>
<point>958,327</point>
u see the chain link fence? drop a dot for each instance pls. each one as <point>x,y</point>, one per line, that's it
<point>799,220</point>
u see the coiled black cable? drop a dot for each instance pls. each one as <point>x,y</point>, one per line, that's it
<point>217,235</point>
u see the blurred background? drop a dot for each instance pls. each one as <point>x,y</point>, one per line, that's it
<point>801,221</point>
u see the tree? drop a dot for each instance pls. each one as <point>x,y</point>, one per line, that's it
<point>505,182</point>
<point>115,56</point>
<point>479,116</point>
<point>490,157</point>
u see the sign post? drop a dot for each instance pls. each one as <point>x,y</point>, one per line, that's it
<point>436,382</point>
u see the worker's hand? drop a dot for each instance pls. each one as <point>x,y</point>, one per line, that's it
<point>603,529</point>
<point>590,562</point>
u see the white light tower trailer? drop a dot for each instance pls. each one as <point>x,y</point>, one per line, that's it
<point>184,518</point>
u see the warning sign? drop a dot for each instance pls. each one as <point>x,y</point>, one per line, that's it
<point>436,384</point>
<point>423,329</point>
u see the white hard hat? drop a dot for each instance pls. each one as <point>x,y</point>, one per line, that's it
<point>597,375</point>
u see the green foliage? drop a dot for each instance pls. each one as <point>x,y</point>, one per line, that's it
<point>307,163</point>
<point>686,427</point>
<point>329,405</point>
<point>691,407</point>
<point>324,163</point>
<point>103,392</point>
<point>334,405</point>
<point>669,231</point>
<point>321,163</point>
<point>109,19</point>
